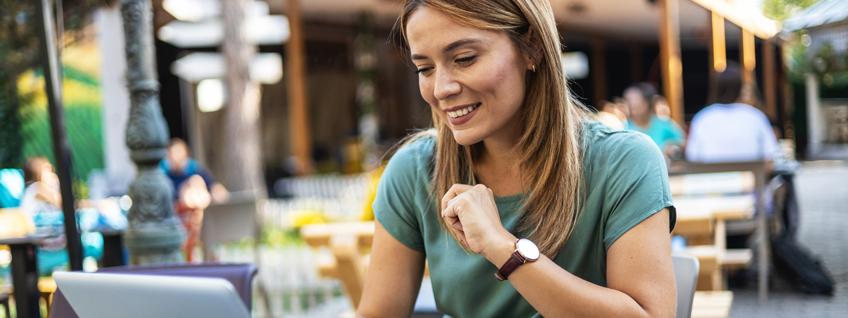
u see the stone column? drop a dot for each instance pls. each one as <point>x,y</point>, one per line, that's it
<point>154,235</point>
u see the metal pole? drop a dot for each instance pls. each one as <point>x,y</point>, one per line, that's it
<point>61,148</point>
<point>154,234</point>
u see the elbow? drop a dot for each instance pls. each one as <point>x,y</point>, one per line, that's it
<point>665,311</point>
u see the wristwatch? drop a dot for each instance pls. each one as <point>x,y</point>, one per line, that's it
<point>525,252</point>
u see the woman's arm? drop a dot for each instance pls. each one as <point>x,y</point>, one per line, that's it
<point>640,278</point>
<point>393,278</point>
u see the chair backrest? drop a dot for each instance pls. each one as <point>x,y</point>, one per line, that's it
<point>240,275</point>
<point>686,275</point>
<point>229,221</point>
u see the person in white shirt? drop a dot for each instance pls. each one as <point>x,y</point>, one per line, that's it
<point>729,130</point>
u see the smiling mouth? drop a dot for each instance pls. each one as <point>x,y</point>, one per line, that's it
<point>462,112</point>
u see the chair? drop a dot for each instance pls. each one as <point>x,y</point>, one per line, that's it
<point>686,276</point>
<point>240,275</point>
<point>230,221</point>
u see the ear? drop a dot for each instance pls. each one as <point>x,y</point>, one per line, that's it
<point>532,51</point>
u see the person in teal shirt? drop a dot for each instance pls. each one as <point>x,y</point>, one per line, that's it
<point>520,204</point>
<point>641,99</point>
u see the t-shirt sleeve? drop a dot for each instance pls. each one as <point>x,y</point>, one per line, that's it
<point>637,186</point>
<point>394,206</point>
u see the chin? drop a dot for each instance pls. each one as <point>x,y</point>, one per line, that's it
<point>466,138</point>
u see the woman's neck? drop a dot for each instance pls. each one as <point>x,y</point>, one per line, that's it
<point>498,166</point>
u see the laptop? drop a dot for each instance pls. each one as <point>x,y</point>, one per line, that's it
<point>143,296</point>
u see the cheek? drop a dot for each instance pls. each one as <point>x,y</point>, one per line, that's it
<point>425,87</point>
<point>506,82</point>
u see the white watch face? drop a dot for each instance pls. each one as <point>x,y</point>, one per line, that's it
<point>527,249</point>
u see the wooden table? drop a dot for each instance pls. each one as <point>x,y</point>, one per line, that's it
<point>349,243</point>
<point>712,304</point>
<point>719,192</point>
<point>25,273</point>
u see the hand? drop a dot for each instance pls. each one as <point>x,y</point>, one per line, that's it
<point>472,216</point>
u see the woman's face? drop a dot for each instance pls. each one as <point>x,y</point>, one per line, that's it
<point>472,79</point>
<point>636,103</point>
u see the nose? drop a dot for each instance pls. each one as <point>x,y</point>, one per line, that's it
<point>446,86</point>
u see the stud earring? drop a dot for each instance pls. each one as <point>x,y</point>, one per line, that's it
<point>533,68</point>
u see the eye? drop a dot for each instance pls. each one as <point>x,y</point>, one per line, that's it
<point>422,70</point>
<point>466,60</point>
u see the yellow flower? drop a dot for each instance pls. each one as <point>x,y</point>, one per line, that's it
<point>307,217</point>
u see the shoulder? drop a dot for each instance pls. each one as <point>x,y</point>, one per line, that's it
<point>608,150</point>
<point>598,139</point>
<point>754,112</point>
<point>666,123</point>
<point>706,112</point>
<point>413,159</point>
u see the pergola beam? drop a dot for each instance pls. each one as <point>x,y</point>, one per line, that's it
<point>749,57</point>
<point>747,19</point>
<point>769,79</point>
<point>672,66</point>
<point>718,52</point>
<point>299,131</point>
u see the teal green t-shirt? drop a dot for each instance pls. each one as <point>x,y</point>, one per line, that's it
<point>662,131</point>
<point>625,180</point>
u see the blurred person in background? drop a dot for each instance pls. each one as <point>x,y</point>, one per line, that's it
<point>42,187</point>
<point>664,132</point>
<point>520,204</point>
<point>732,130</point>
<point>42,201</point>
<point>661,107</point>
<point>194,189</point>
<point>612,115</point>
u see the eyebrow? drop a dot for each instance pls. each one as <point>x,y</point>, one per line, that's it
<point>453,46</point>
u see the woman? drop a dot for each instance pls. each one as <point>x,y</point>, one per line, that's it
<point>641,99</point>
<point>512,156</point>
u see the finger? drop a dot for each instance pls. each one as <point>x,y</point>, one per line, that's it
<point>454,191</point>
<point>455,224</point>
<point>453,207</point>
<point>451,217</point>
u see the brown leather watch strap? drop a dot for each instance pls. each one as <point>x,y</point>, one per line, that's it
<point>511,264</point>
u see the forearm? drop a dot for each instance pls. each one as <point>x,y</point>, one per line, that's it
<point>555,292</point>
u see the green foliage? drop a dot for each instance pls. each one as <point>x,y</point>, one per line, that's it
<point>276,237</point>
<point>782,9</point>
<point>19,51</point>
<point>83,125</point>
<point>10,125</point>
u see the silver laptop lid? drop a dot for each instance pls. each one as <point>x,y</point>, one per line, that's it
<point>142,296</point>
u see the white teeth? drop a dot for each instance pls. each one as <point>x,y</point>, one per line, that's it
<point>462,112</point>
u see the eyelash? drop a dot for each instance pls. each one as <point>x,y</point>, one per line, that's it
<point>464,61</point>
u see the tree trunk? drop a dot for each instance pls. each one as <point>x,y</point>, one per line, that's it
<point>239,165</point>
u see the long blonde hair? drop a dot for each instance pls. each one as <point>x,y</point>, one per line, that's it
<point>550,151</point>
